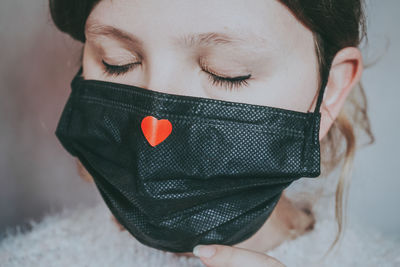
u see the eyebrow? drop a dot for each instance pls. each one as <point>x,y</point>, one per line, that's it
<point>217,39</point>
<point>250,40</point>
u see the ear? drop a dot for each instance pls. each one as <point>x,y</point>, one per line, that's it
<point>345,73</point>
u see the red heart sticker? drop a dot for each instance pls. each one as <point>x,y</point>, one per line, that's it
<point>155,130</point>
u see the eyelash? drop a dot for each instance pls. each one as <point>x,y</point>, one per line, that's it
<point>116,70</point>
<point>229,83</point>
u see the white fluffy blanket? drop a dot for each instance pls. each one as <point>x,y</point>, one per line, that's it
<point>87,236</point>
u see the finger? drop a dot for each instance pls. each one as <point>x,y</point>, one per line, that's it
<point>226,256</point>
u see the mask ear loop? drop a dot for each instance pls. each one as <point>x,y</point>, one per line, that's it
<point>312,147</point>
<point>77,77</point>
<point>321,95</point>
<point>316,116</point>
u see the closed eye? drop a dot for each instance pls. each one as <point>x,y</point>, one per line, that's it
<point>228,83</point>
<point>117,70</point>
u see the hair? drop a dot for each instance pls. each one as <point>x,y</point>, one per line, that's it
<point>335,24</point>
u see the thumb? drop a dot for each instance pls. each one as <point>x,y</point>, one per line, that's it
<point>226,256</point>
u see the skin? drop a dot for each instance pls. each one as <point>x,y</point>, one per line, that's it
<point>276,50</point>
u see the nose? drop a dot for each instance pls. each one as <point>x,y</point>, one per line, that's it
<point>165,73</point>
<point>168,71</point>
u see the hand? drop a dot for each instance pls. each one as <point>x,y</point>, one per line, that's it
<point>226,256</point>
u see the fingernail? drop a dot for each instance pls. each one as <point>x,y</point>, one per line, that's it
<point>204,251</point>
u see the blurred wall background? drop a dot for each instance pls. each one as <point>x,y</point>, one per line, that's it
<point>37,62</point>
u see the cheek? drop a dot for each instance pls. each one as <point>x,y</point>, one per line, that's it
<point>90,69</point>
<point>93,67</point>
<point>291,82</point>
<point>292,87</point>
<point>297,83</point>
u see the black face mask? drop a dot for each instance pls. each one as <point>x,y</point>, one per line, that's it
<point>177,171</point>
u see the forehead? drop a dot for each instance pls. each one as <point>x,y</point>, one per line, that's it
<point>264,23</point>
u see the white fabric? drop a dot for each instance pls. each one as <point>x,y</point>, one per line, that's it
<point>87,236</point>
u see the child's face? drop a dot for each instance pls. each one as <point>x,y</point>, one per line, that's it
<point>274,48</point>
